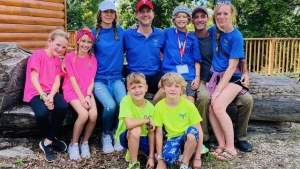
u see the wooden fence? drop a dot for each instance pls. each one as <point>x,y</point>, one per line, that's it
<point>273,55</point>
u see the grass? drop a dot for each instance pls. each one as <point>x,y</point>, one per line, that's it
<point>19,162</point>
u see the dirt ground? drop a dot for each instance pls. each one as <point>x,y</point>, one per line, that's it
<point>275,145</point>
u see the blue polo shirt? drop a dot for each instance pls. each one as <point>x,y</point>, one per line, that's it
<point>109,54</point>
<point>143,54</point>
<point>172,56</point>
<point>232,43</point>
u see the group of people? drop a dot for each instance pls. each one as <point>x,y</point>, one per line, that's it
<point>194,77</point>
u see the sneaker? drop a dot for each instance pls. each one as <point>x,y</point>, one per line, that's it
<point>135,165</point>
<point>59,145</point>
<point>127,156</point>
<point>204,149</point>
<point>185,167</point>
<point>107,143</point>
<point>243,146</point>
<point>117,145</point>
<point>207,144</point>
<point>74,152</point>
<point>85,150</point>
<point>48,152</point>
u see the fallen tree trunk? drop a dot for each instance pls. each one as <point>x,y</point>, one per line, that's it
<point>275,98</point>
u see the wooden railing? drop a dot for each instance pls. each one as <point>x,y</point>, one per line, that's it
<point>269,56</point>
<point>72,40</point>
<point>273,55</point>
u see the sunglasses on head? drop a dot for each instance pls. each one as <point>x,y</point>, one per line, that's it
<point>222,2</point>
<point>182,8</point>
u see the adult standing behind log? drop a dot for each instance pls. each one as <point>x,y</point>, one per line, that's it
<point>225,82</point>
<point>43,75</point>
<point>109,88</point>
<point>143,46</point>
<point>244,102</point>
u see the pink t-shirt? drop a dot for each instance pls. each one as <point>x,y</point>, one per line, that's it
<point>47,67</point>
<point>84,71</point>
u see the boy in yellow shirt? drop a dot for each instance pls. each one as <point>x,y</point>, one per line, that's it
<point>136,129</point>
<point>181,120</point>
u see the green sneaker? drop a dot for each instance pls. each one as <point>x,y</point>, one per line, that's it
<point>135,165</point>
<point>204,149</point>
<point>127,156</point>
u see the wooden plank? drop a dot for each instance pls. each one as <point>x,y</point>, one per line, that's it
<point>287,57</point>
<point>253,66</point>
<point>13,37</point>
<point>54,1</point>
<point>32,44</point>
<point>280,56</point>
<point>23,11</point>
<point>21,28</point>
<point>14,19</point>
<point>271,57</point>
<point>283,56</point>
<point>276,57</point>
<point>34,4</point>
<point>299,57</point>
<point>292,56</point>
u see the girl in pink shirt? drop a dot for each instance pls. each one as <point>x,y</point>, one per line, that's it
<point>43,76</point>
<point>81,66</point>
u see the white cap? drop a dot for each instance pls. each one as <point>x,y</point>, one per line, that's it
<point>106,5</point>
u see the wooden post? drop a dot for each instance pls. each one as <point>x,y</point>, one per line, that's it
<point>271,57</point>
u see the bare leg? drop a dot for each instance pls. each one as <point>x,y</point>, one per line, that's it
<point>91,121</point>
<point>133,137</point>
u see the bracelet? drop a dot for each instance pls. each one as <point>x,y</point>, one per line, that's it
<point>89,95</point>
<point>42,95</point>
<point>219,91</point>
<point>197,76</point>
<point>160,157</point>
<point>198,159</point>
<point>148,157</point>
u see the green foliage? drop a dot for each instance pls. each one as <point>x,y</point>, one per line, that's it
<point>81,13</point>
<point>270,19</point>
<point>162,8</point>
<point>19,162</point>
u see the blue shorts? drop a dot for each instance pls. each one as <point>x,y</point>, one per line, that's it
<point>173,146</point>
<point>143,146</point>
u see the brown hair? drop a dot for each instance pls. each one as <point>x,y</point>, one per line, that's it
<point>173,78</point>
<point>98,26</point>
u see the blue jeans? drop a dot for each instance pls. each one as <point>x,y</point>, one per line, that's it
<point>110,94</point>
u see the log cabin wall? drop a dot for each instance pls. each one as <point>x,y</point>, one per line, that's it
<point>29,22</point>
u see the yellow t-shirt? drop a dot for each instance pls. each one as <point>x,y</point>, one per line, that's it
<point>176,120</point>
<point>130,110</point>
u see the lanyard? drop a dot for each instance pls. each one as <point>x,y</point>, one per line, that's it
<point>180,45</point>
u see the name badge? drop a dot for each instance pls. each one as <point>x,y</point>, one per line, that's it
<point>182,69</point>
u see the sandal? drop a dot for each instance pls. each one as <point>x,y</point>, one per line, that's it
<point>217,151</point>
<point>227,155</point>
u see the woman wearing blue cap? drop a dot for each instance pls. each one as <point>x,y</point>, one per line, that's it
<point>109,88</point>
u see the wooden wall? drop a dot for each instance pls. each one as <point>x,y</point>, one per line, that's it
<point>29,22</point>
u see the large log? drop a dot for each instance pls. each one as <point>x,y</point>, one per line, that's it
<point>35,4</point>
<point>20,28</point>
<point>275,98</point>
<point>15,19</point>
<point>12,37</point>
<point>23,11</point>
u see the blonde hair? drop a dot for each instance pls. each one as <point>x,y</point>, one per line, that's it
<point>174,17</point>
<point>135,78</point>
<point>173,78</point>
<point>218,28</point>
<point>60,33</point>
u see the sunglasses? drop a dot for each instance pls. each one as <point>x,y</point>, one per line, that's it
<point>183,8</point>
<point>222,2</point>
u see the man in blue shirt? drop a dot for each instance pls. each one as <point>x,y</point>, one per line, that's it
<point>144,45</point>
